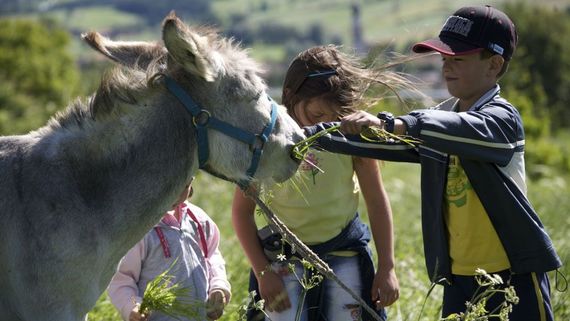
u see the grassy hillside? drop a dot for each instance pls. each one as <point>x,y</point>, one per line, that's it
<point>383,20</point>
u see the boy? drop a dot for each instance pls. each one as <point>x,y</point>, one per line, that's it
<point>475,213</point>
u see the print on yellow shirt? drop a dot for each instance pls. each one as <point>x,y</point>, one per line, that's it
<point>473,241</point>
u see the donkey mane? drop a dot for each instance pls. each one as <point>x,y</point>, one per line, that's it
<point>120,85</point>
<point>128,84</point>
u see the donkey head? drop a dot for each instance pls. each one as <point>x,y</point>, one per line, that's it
<point>223,80</point>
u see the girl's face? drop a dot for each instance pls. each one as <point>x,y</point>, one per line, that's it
<point>315,110</point>
<point>467,77</point>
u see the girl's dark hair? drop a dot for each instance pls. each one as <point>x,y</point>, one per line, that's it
<point>340,78</point>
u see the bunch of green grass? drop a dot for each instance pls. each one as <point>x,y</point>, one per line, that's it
<point>371,134</point>
<point>302,148</point>
<point>161,295</point>
<point>380,135</point>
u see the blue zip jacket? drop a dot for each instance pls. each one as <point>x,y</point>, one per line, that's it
<point>489,142</point>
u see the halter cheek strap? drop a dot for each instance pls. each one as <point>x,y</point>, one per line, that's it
<point>262,138</point>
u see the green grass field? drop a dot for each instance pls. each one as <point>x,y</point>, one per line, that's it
<point>549,195</point>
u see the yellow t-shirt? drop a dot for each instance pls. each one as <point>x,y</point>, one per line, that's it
<point>473,241</point>
<point>316,206</point>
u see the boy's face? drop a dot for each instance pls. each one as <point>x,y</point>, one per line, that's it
<point>468,77</point>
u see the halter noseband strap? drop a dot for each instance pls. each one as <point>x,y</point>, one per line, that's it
<point>202,120</point>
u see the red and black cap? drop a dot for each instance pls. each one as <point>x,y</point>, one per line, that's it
<point>473,29</point>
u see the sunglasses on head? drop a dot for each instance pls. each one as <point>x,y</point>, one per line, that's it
<point>321,73</point>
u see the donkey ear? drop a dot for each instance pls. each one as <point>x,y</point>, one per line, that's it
<point>131,54</point>
<point>189,49</point>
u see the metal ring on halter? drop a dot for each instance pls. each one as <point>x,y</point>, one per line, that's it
<point>202,118</point>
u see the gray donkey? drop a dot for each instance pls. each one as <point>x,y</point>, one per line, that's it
<point>79,192</point>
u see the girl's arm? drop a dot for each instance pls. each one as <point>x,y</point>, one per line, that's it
<point>385,288</point>
<point>271,286</point>
<point>123,290</point>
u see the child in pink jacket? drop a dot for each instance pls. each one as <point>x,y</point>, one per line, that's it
<point>187,236</point>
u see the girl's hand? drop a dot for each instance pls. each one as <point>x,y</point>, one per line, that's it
<point>215,304</point>
<point>385,288</point>
<point>136,316</point>
<point>272,290</point>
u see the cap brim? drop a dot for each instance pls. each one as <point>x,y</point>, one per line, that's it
<point>447,46</point>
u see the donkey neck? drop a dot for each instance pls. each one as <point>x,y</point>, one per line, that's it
<point>131,168</point>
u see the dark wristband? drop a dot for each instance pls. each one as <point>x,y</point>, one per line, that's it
<point>388,119</point>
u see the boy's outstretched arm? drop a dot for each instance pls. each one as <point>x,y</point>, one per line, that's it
<point>492,134</point>
<point>356,145</point>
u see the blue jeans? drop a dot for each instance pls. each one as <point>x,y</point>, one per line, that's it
<point>341,306</point>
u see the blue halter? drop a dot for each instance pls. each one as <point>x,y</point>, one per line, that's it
<point>202,120</point>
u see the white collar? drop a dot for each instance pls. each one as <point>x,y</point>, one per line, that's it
<point>482,100</point>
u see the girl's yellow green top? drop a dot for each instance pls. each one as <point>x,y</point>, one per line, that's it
<point>317,205</point>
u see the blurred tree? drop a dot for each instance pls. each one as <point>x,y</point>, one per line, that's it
<point>37,73</point>
<point>540,69</point>
<point>537,83</point>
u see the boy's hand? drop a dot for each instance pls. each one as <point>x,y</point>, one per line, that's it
<point>358,121</point>
<point>215,304</point>
<point>136,316</point>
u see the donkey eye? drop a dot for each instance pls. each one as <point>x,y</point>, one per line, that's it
<point>256,96</point>
<point>190,55</point>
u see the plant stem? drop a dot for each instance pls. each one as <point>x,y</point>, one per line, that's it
<point>302,297</point>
